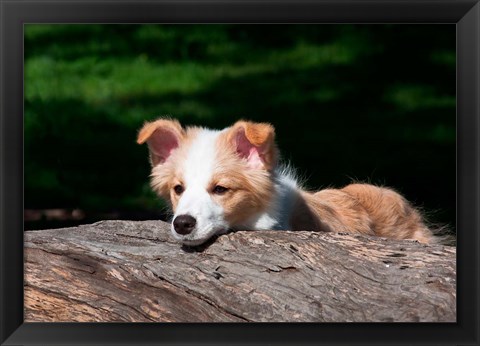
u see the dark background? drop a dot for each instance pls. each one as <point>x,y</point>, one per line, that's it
<point>374,103</point>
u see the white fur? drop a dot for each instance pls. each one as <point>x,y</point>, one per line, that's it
<point>276,217</point>
<point>196,201</point>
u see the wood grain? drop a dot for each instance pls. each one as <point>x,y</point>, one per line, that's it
<point>134,272</point>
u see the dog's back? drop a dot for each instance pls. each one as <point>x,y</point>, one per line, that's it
<point>360,208</point>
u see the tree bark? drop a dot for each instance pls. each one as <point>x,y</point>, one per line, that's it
<point>135,272</point>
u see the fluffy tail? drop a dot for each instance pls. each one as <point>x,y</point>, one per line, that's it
<point>393,216</point>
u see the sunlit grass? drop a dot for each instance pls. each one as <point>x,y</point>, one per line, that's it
<point>96,80</point>
<point>416,97</point>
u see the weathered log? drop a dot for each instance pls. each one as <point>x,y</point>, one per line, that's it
<point>134,271</point>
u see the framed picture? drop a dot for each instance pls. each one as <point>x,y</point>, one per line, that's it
<point>383,93</point>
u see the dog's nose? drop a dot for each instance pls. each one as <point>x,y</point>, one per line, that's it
<point>184,224</point>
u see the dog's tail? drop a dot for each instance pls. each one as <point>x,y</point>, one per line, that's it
<point>442,235</point>
<point>395,217</point>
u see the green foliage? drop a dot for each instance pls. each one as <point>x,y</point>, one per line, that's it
<point>372,102</point>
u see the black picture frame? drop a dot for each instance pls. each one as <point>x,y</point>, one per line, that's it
<point>15,13</point>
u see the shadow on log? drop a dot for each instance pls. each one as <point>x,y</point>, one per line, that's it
<point>134,271</point>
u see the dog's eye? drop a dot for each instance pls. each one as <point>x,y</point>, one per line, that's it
<point>219,189</point>
<point>178,189</point>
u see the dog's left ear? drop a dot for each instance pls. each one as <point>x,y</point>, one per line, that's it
<point>255,142</point>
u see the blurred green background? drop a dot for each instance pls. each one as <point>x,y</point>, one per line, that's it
<point>374,103</point>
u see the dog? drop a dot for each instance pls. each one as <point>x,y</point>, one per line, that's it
<point>231,179</point>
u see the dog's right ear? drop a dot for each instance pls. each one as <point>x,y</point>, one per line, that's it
<point>162,136</point>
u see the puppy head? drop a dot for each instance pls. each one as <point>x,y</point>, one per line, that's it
<point>214,180</point>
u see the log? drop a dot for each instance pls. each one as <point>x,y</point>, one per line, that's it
<point>135,272</point>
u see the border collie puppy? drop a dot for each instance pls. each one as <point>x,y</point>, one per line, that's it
<point>230,179</point>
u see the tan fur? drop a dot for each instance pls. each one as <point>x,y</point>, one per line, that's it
<point>331,210</point>
<point>360,208</point>
<point>262,135</point>
<point>392,215</point>
<point>249,190</point>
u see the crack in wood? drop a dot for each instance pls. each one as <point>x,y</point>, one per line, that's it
<point>200,297</point>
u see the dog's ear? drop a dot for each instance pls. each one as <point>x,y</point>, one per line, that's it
<point>255,142</point>
<point>162,136</point>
